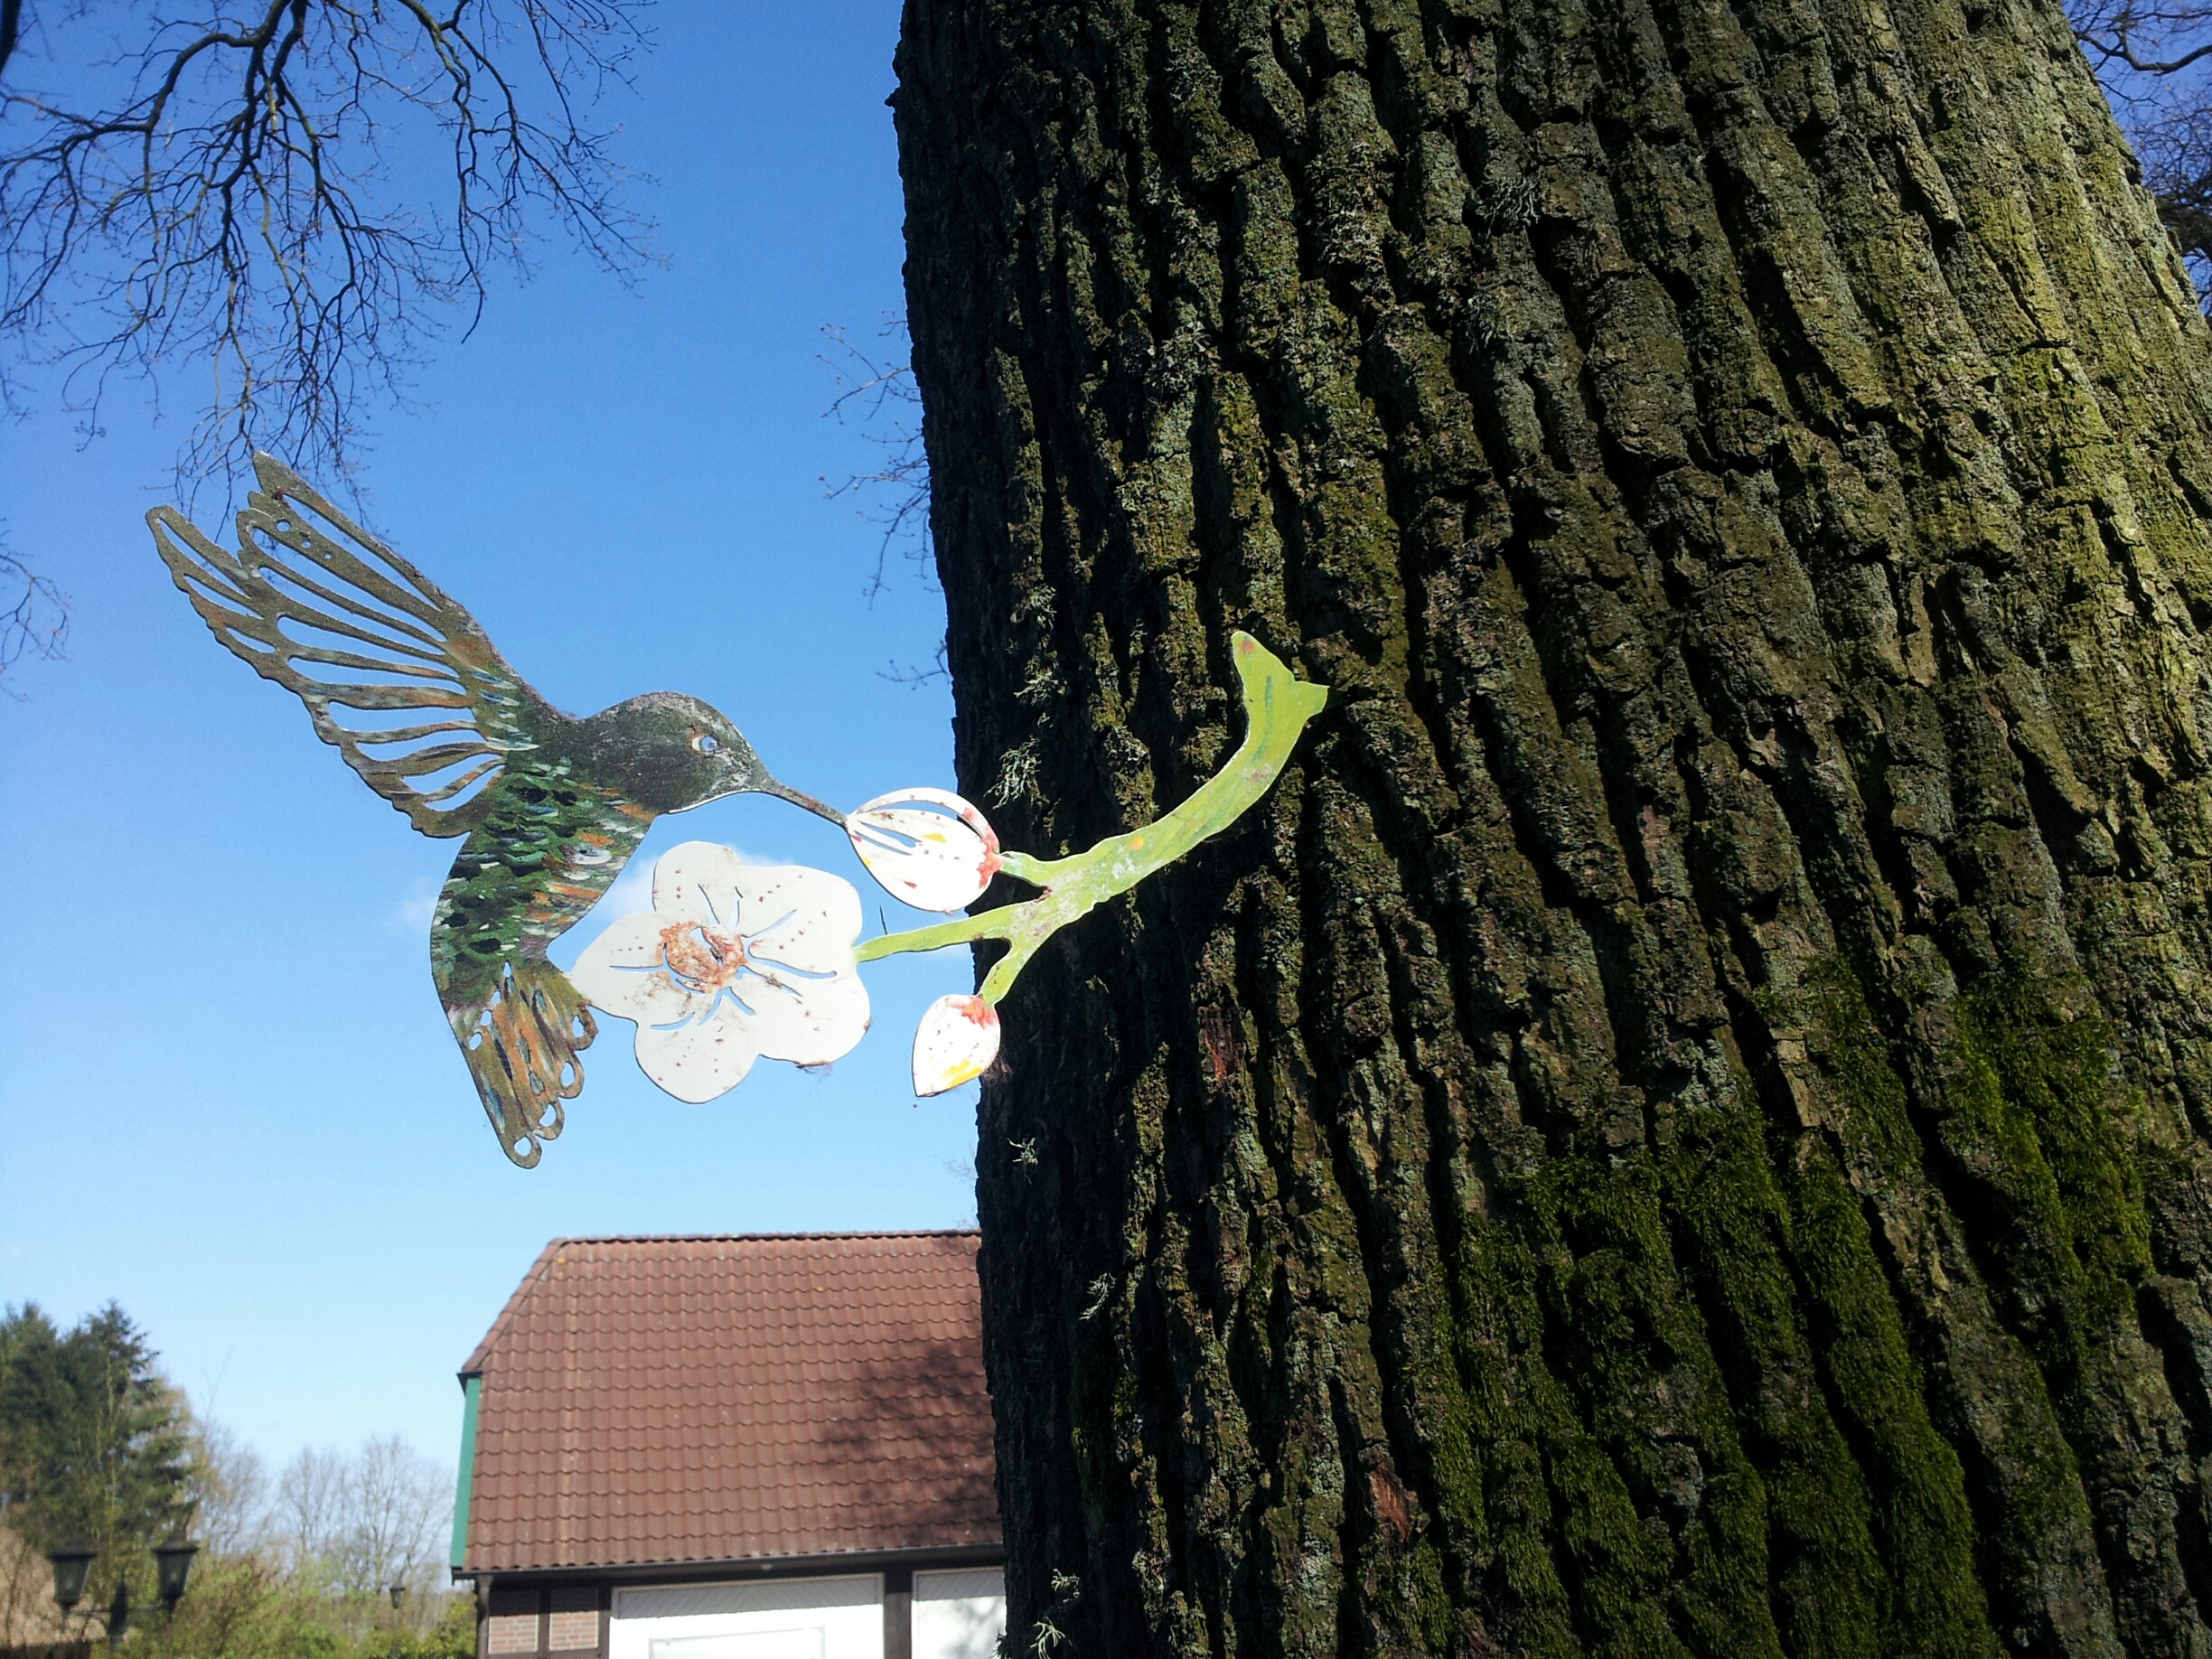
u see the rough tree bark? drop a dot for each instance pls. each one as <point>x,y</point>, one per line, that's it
<point>1681,1126</point>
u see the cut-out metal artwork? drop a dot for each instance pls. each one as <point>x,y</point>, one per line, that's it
<point>736,963</point>
<point>958,1037</point>
<point>421,704</point>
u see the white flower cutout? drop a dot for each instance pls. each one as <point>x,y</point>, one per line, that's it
<point>734,963</point>
<point>957,1040</point>
<point>927,847</point>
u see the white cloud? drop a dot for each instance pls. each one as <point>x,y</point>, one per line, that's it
<point>631,892</point>
<point>413,914</point>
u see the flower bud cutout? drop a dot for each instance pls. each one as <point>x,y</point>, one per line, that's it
<point>928,848</point>
<point>957,1039</point>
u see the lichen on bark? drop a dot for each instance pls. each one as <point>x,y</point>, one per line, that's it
<point>1680,1126</point>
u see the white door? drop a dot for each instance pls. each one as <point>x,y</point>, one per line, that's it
<point>805,1643</point>
<point>959,1615</point>
<point>777,1618</point>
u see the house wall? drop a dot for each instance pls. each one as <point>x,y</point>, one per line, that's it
<point>524,1621</point>
<point>943,1614</point>
<point>954,1615</point>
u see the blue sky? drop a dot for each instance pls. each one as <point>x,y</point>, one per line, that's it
<point>227,1096</point>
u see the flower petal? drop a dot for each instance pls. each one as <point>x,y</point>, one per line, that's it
<point>698,1060</point>
<point>698,881</point>
<point>957,1039</point>
<point>927,847</point>
<point>768,968</point>
<point>621,972</point>
<point>807,1022</point>
<point>796,917</point>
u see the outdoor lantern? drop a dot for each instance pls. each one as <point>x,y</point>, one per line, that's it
<point>70,1563</point>
<point>172,1565</point>
<point>398,1593</point>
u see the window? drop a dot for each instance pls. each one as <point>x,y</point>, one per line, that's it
<point>959,1615</point>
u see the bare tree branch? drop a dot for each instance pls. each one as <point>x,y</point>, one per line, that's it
<point>881,396</point>
<point>2134,44</point>
<point>2154,60</point>
<point>253,191</point>
<point>36,622</point>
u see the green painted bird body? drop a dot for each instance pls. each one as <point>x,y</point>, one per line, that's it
<point>552,806</point>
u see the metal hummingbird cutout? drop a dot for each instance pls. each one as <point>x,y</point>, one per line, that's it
<point>552,806</point>
<point>734,963</point>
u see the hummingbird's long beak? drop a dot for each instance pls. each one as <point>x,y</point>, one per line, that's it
<point>784,792</point>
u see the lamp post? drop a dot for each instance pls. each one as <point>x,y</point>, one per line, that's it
<point>70,1563</point>
<point>73,1561</point>
<point>398,1593</point>
<point>173,1564</point>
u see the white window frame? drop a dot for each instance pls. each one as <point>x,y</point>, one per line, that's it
<point>847,1608</point>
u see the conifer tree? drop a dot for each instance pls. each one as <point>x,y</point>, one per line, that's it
<point>94,1444</point>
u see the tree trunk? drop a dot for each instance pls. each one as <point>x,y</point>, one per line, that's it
<point>1682,1125</point>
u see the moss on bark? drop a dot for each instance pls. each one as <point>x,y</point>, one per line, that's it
<point>1681,1126</point>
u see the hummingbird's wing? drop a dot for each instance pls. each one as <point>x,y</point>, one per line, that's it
<point>366,641</point>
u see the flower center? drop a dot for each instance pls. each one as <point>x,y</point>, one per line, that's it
<point>702,959</point>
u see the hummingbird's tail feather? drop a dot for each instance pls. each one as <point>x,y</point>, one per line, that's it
<point>523,1050</point>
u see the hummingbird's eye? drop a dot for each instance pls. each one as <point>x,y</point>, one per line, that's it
<point>706,743</point>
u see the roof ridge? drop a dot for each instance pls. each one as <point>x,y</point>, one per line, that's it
<point>746,1238</point>
<point>473,1365</point>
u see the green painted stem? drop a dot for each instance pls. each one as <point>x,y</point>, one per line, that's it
<point>1277,706</point>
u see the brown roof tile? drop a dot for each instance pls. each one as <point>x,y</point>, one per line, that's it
<point>725,1398</point>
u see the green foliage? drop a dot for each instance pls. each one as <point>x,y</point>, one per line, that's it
<point>93,1441</point>
<point>243,1607</point>
<point>95,1446</point>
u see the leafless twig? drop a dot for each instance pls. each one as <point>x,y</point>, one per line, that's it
<point>36,622</point>
<point>914,678</point>
<point>292,196</point>
<point>881,397</point>
<point>2154,60</point>
<point>2145,37</point>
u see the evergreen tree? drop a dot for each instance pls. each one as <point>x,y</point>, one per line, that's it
<point>94,1445</point>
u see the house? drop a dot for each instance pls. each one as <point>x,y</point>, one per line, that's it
<point>757,1447</point>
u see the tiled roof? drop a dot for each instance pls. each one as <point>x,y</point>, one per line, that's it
<point>725,1399</point>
